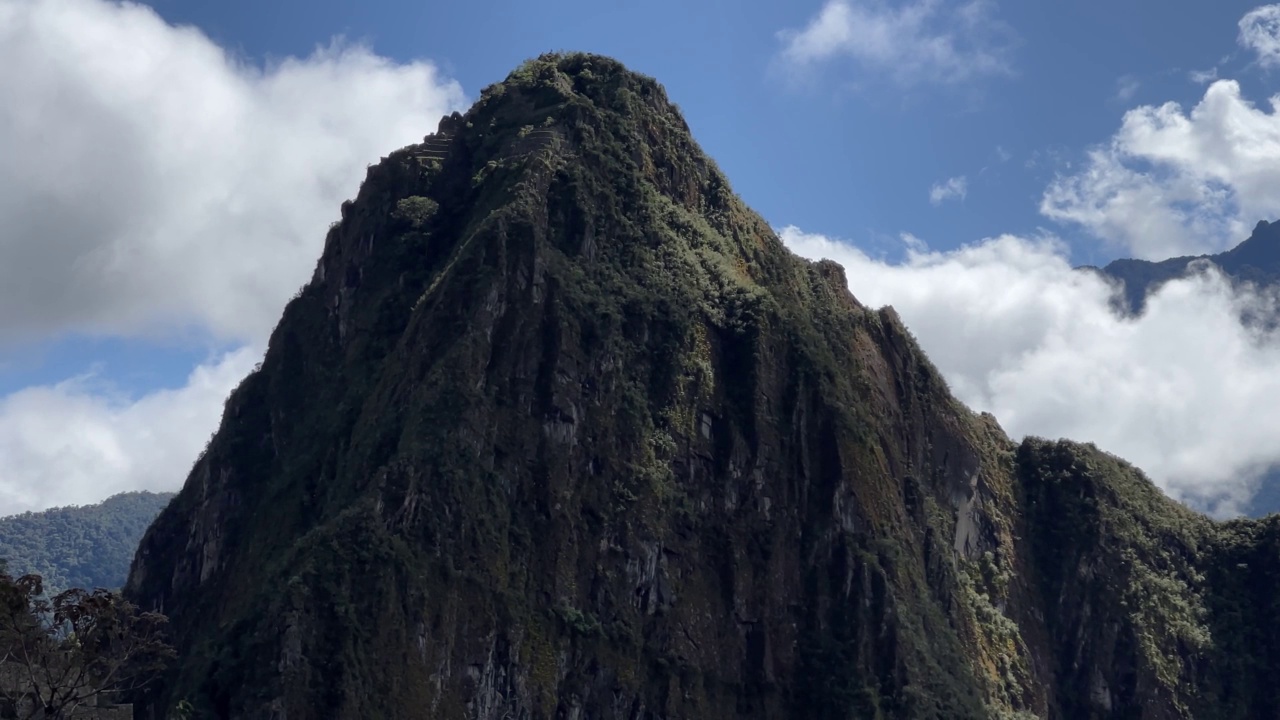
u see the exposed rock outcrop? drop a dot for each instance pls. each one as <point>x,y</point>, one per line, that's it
<point>560,429</point>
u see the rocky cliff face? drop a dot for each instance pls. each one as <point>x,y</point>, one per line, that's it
<point>559,429</point>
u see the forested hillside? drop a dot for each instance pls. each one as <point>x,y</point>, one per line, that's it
<point>87,546</point>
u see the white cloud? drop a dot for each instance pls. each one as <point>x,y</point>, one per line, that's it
<point>956,187</point>
<point>152,181</point>
<point>1185,391</point>
<point>914,243</point>
<point>1203,77</point>
<point>1177,183</point>
<point>1126,87</point>
<point>1260,32</point>
<point>77,442</point>
<point>918,41</point>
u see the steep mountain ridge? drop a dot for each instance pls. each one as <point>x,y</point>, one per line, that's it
<point>1255,260</point>
<point>559,429</point>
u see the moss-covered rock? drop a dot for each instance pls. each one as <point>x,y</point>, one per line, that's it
<point>559,429</point>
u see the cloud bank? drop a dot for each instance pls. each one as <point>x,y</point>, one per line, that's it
<point>78,442</point>
<point>1260,33</point>
<point>1185,392</point>
<point>920,41</point>
<point>153,182</point>
<point>1172,182</point>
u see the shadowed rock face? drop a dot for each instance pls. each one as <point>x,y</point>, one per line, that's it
<point>1256,260</point>
<point>559,429</point>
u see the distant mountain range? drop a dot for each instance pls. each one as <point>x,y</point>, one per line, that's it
<point>88,546</point>
<point>1255,260</point>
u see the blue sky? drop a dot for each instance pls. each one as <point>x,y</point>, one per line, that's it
<point>173,168</point>
<point>841,149</point>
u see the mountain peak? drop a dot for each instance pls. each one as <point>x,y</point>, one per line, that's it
<point>1259,253</point>
<point>1256,259</point>
<point>560,429</point>
<point>557,406</point>
<point>541,83</point>
<point>559,93</point>
<point>594,109</point>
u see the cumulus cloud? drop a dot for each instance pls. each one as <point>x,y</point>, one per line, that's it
<point>1260,33</point>
<point>1173,182</point>
<point>1185,391</point>
<point>956,187</point>
<point>920,41</point>
<point>78,442</point>
<point>151,180</point>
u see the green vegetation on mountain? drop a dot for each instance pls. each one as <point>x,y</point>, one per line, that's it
<point>87,546</point>
<point>70,655</point>
<point>559,429</point>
